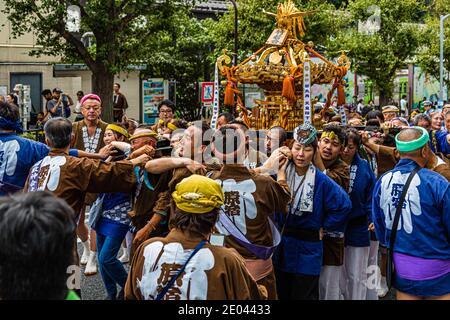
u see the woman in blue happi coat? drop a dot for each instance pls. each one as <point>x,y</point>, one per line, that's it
<point>357,234</point>
<point>109,218</point>
<point>317,202</point>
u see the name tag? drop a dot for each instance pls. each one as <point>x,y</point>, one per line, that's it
<point>217,239</point>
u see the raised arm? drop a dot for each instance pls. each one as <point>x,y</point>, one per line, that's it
<point>161,165</point>
<point>365,140</point>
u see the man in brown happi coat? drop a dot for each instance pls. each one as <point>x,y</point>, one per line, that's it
<point>198,269</point>
<point>250,201</point>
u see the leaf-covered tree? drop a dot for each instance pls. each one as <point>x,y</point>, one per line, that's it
<point>381,54</point>
<point>428,55</point>
<point>255,26</point>
<point>180,51</point>
<point>119,27</point>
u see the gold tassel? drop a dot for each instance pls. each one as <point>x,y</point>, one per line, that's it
<point>340,95</point>
<point>229,94</point>
<point>289,88</point>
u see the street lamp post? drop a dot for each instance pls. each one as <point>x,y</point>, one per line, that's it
<point>441,60</point>
<point>235,32</point>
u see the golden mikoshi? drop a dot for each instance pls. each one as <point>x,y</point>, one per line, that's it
<point>277,68</point>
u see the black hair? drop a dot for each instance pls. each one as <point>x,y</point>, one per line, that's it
<point>9,111</point>
<point>240,123</point>
<point>353,135</point>
<point>371,128</point>
<point>58,131</point>
<point>167,103</point>
<point>337,131</point>
<point>117,84</point>
<point>375,114</point>
<point>197,223</point>
<point>46,92</point>
<point>373,123</point>
<point>226,137</point>
<point>119,135</point>
<point>37,245</point>
<point>80,93</point>
<point>13,97</point>
<point>281,133</point>
<point>206,131</point>
<point>227,115</point>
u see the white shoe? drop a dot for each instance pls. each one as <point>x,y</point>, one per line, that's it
<point>91,266</point>
<point>86,253</point>
<point>124,258</point>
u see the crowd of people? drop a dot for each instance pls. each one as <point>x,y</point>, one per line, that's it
<point>227,213</point>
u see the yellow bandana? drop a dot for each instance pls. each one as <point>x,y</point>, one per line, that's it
<point>117,129</point>
<point>331,135</point>
<point>147,134</point>
<point>171,126</point>
<point>198,194</point>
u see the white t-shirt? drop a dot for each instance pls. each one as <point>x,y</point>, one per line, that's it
<point>404,107</point>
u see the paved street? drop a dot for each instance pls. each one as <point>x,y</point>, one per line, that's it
<point>92,287</point>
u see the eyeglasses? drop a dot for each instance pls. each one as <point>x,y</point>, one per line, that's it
<point>165,110</point>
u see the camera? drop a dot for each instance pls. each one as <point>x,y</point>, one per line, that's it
<point>163,145</point>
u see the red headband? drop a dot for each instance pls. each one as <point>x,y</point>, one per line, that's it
<point>90,96</point>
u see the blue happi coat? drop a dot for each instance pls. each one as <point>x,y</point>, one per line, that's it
<point>424,226</point>
<point>331,208</point>
<point>441,142</point>
<point>17,156</point>
<point>362,182</point>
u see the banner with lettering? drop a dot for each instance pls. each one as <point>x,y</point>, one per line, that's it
<point>216,99</point>
<point>306,92</point>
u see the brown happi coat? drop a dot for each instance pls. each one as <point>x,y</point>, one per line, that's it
<point>250,200</point>
<point>333,247</point>
<point>339,171</point>
<point>72,178</point>
<point>214,273</point>
<point>269,197</point>
<point>145,202</point>
<point>387,158</point>
<point>78,142</point>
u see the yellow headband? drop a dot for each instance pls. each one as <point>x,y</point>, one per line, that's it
<point>140,135</point>
<point>198,194</point>
<point>331,135</point>
<point>171,126</point>
<point>117,129</point>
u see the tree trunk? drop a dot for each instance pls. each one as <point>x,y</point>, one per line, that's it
<point>384,99</point>
<point>102,85</point>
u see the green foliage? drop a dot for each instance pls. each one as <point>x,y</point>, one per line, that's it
<point>380,55</point>
<point>179,51</point>
<point>255,27</point>
<point>175,45</point>
<point>428,53</point>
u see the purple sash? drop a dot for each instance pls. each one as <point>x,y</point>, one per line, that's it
<point>261,252</point>
<point>419,269</point>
